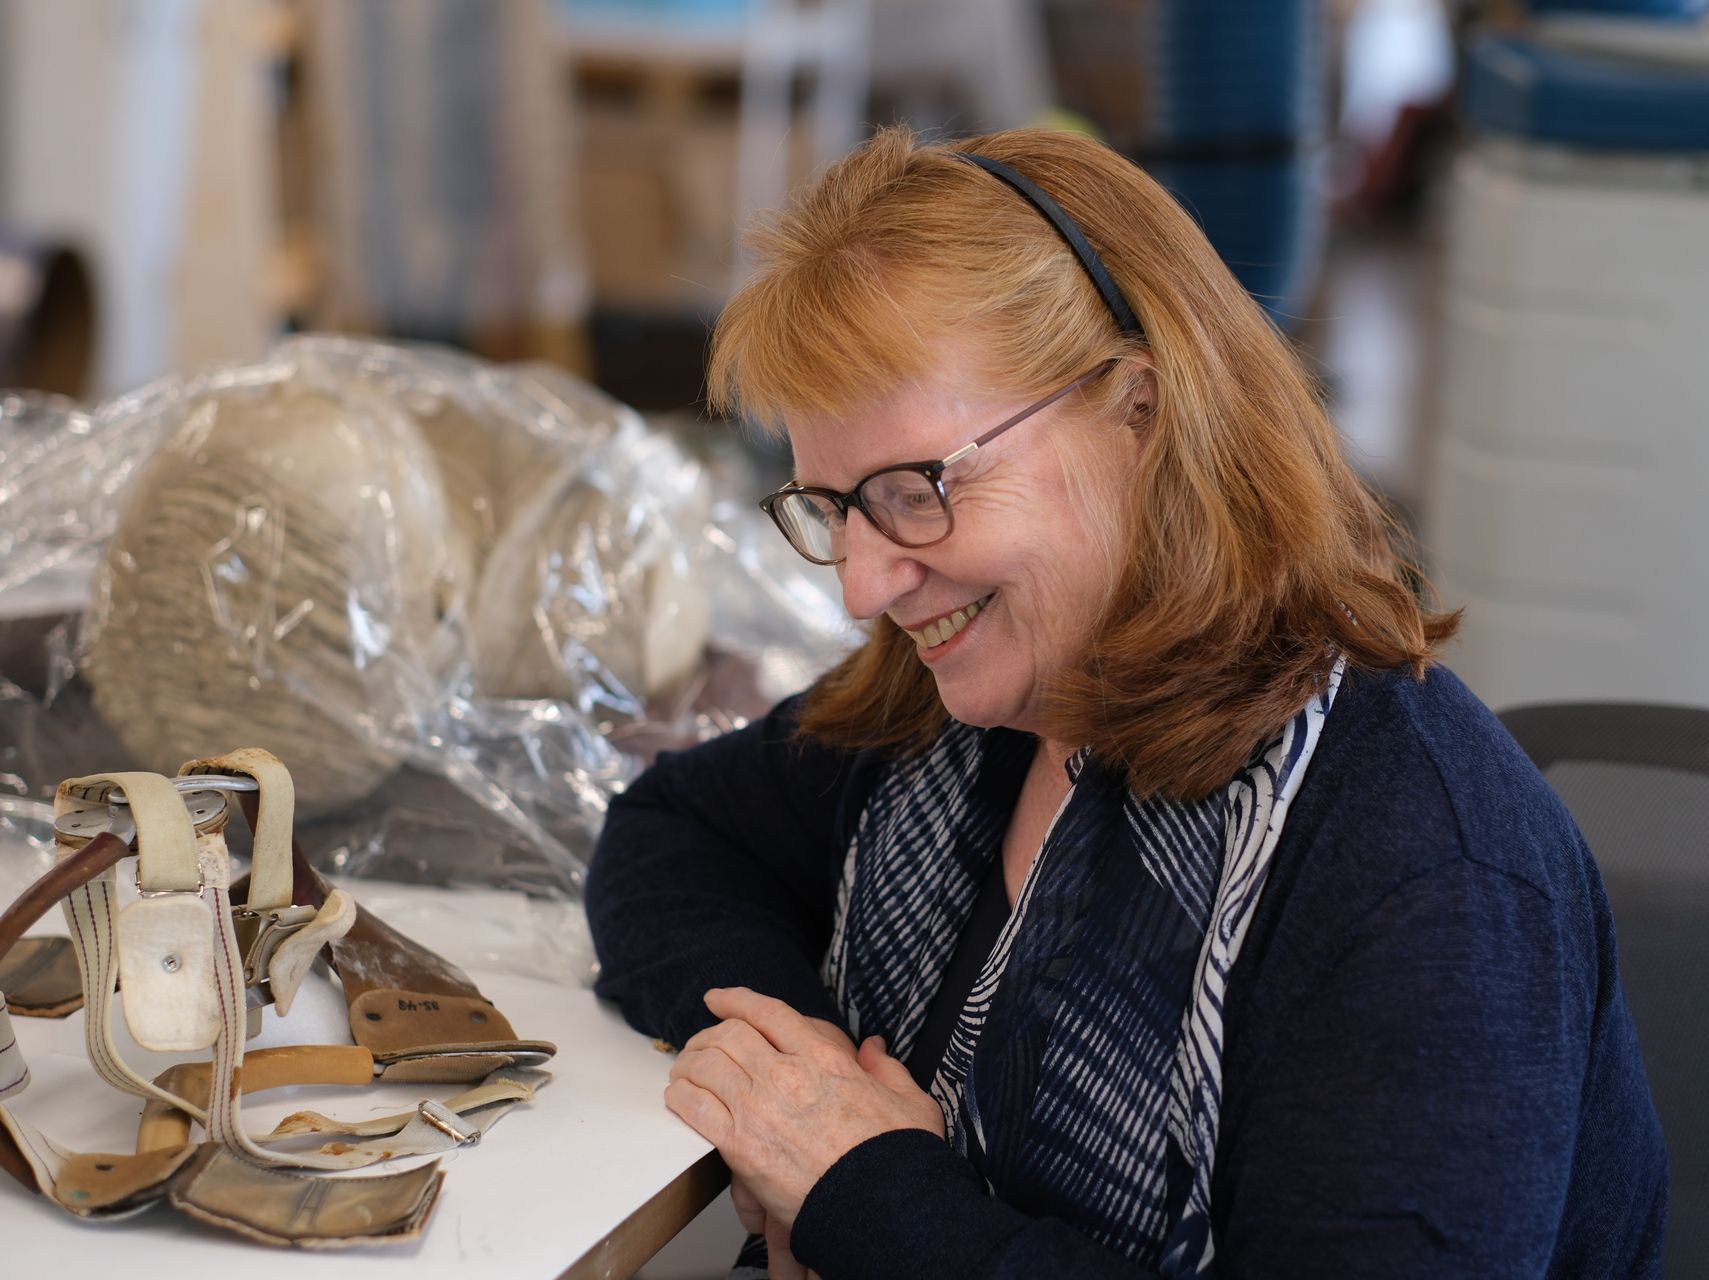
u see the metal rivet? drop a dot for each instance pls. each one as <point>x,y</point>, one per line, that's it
<point>171,964</point>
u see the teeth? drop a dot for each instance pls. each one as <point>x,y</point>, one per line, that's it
<point>935,633</point>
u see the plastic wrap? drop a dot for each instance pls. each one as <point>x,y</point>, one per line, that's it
<point>464,603</point>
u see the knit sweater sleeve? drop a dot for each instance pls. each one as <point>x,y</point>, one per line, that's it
<point>1415,1119</point>
<point>718,868</point>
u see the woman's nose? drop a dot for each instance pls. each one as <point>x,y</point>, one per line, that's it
<point>875,572</point>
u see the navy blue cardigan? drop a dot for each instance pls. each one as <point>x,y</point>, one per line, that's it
<point>1430,1068</point>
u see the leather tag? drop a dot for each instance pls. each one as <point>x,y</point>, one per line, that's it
<point>90,1185</point>
<point>387,1020</point>
<point>166,972</point>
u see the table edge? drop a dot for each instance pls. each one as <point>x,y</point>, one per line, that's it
<point>627,1247</point>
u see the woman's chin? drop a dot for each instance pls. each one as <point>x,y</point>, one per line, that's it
<point>969,707</point>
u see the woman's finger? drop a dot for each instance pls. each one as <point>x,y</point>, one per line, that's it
<point>786,1030</point>
<point>749,1211</point>
<point>746,1046</point>
<point>701,1111</point>
<point>716,1072</point>
<point>919,1105</point>
<point>876,1061</point>
<point>780,1262</point>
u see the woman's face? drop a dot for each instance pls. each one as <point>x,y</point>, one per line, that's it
<point>1023,569</point>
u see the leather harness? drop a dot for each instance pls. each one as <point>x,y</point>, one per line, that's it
<point>195,971</point>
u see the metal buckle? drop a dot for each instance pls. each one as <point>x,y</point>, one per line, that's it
<point>259,934</point>
<point>201,887</point>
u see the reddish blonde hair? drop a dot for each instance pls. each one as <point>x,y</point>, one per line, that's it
<point>1254,553</point>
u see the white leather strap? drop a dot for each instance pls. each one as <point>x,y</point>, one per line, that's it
<point>296,954</point>
<point>270,872</point>
<point>168,862</point>
<point>14,1071</point>
<point>431,1129</point>
<point>507,1084</point>
<point>45,1156</point>
<point>90,912</point>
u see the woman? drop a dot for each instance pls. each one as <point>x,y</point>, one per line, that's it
<point>1185,915</point>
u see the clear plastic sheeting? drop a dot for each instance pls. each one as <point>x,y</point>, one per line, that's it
<point>464,603</point>
<point>26,843</point>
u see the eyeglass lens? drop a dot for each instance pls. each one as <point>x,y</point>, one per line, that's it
<point>906,505</point>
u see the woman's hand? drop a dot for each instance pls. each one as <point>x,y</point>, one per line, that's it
<point>784,1097</point>
<point>780,1262</point>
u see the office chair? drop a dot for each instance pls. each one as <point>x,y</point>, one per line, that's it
<point>1635,777</point>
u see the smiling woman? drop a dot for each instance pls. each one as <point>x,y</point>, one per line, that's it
<point>1034,597</point>
<point>910,284</point>
<point>1142,898</point>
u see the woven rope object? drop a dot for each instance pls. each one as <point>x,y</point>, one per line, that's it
<point>281,575</point>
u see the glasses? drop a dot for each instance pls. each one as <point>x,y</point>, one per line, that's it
<point>907,503</point>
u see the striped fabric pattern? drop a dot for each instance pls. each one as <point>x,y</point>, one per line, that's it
<point>918,833</point>
<point>1095,1098</point>
<point>1258,803</point>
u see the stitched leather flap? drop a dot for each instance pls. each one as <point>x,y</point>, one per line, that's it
<point>166,971</point>
<point>282,1208</point>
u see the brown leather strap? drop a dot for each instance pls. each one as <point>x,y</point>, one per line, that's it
<point>41,979</point>
<point>13,1162</point>
<point>97,1185</point>
<point>104,851</point>
<point>296,1064</point>
<point>420,1015</point>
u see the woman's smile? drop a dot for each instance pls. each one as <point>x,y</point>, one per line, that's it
<point>937,637</point>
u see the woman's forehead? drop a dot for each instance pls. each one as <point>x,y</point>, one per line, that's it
<point>922,422</point>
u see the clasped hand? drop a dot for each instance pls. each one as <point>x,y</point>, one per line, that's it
<point>784,1097</point>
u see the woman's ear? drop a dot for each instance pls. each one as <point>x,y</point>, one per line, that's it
<point>1142,408</point>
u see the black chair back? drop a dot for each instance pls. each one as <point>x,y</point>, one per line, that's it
<point>1636,780</point>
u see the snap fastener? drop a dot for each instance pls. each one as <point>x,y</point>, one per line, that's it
<point>171,964</point>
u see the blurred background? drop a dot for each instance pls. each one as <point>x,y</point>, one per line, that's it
<point>1485,223</point>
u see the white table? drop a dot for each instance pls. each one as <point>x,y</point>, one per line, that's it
<point>589,1180</point>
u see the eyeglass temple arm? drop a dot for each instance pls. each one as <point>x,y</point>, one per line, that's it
<point>968,450</point>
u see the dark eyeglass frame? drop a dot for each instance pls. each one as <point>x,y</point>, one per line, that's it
<point>931,471</point>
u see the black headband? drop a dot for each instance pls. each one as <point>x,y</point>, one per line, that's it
<point>1066,228</point>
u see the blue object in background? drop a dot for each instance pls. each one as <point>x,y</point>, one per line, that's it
<point>1518,87</point>
<point>694,11</point>
<point>1268,218</point>
<point>1236,132</point>
<point>1233,69</point>
<point>1679,10</point>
